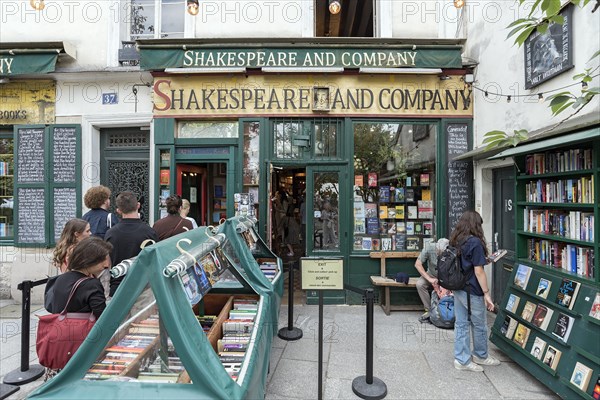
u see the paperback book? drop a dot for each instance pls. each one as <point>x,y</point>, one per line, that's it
<point>567,293</point>
<point>512,303</point>
<point>537,350</point>
<point>528,310</point>
<point>562,329</point>
<point>543,288</point>
<point>596,392</point>
<point>522,276</point>
<point>542,316</point>
<point>581,376</point>
<point>508,327</point>
<point>595,310</point>
<point>552,357</point>
<point>521,335</point>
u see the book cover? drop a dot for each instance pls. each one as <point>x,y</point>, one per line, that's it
<point>428,228</point>
<point>359,180</point>
<point>383,227</point>
<point>386,244</point>
<point>401,227</point>
<point>359,225</point>
<point>357,245</point>
<point>384,194</point>
<point>512,327</point>
<point>562,329</point>
<point>543,288</point>
<point>595,310</point>
<point>376,244</point>
<point>413,243</point>
<point>371,210</point>
<point>399,195</point>
<point>528,310</point>
<point>412,212</point>
<point>391,228</point>
<point>383,212</point>
<point>552,357</point>
<point>512,303</point>
<point>409,195</point>
<point>425,209</point>
<point>567,293</point>
<point>392,212</point>
<point>418,228</point>
<point>542,316</point>
<point>426,194</point>
<point>537,350</point>
<point>367,243</point>
<point>372,226</point>
<point>399,242</point>
<point>359,209</point>
<point>410,228</point>
<point>522,276</point>
<point>372,179</point>
<point>506,325</point>
<point>424,179</point>
<point>521,335</point>
<point>581,376</point>
<point>399,212</point>
<point>596,392</point>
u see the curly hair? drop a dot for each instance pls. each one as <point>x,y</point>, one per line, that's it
<point>96,196</point>
<point>67,240</point>
<point>469,224</point>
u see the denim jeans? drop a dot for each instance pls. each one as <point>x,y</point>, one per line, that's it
<point>477,327</point>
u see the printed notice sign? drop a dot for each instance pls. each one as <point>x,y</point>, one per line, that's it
<point>322,273</point>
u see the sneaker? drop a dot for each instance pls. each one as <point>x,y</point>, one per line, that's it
<point>290,254</point>
<point>424,317</point>
<point>472,367</point>
<point>486,361</point>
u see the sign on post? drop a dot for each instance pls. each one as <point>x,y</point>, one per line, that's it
<point>322,273</point>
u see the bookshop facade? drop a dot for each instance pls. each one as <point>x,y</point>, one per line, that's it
<point>362,140</point>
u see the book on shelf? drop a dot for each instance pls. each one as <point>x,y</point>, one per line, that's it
<point>410,228</point>
<point>522,276</point>
<point>409,195</point>
<point>371,210</point>
<point>401,227</point>
<point>411,212</point>
<point>567,293</point>
<point>359,225</point>
<point>543,288</point>
<point>552,357</point>
<point>372,226</point>
<point>392,212</point>
<point>537,350</point>
<point>508,327</point>
<point>386,244</point>
<point>528,310</point>
<point>521,335</point>
<point>383,212</point>
<point>238,325</point>
<point>359,209</point>
<point>357,243</point>
<point>512,303</point>
<point>596,392</point>
<point>399,242</point>
<point>375,244</point>
<point>595,309</point>
<point>425,209</point>
<point>427,228</point>
<point>400,212</point>
<point>424,179</point>
<point>426,194</point>
<point>542,316</point>
<point>413,243</point>
<point>359,180</point>
<point>367,243</point>
<point>372,179</point>
<point>384,194</point>
<point>581,376</point>
<point>562,329</point>
<point>399,195</point>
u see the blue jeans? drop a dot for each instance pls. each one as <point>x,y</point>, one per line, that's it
<point>477,326</point>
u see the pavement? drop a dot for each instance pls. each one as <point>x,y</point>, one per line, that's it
<point>413,360</point>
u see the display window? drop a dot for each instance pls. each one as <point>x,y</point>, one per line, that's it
<point>394,186</point>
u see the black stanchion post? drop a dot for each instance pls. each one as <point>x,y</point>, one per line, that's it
<point>26,373</point>
<point>369,387</point>
<point>320,391</point>
<point>290,333</point>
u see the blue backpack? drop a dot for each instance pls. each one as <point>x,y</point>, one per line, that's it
<point>441,313</point>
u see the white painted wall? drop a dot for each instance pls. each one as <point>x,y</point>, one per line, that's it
<point>430,19</point>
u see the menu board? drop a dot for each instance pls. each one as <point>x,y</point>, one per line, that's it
<point>31,216</point>
<point>64,152</point>
<point>460,174</point>
<point>30,155</point>
<point>65,208</point>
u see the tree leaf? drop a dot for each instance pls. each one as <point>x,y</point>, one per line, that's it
<point>596,54</point>
<point>593,90</point>
<point>519,22</point>
<point>557,19</point>
<point>559,99</point>
<point>534,7</point>
<point>524,35</point>
<point>553,7</point>
<point>543,27</point>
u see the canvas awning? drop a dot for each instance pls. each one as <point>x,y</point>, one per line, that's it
<point>19,58</point>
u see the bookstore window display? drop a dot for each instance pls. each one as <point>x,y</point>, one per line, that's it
<point>549,319</point>
<point>394,186</point>
<point>6,187</point>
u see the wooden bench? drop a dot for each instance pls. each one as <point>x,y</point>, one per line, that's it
<point>386,283</point>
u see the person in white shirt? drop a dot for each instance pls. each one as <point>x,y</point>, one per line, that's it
<point>185,210</point>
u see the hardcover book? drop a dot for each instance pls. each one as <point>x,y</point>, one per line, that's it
<point>562,329</point>
<point>521,335</point>
<point>522,276</point>
<point>595,310</point>
<point>581,376</point>
<point>528,310</point>
<point>542,316</point>
<point>512,303</point>
<point>543,288</point>
<point>567,293</point>
<point>537,350</point>
<point>552,357</point>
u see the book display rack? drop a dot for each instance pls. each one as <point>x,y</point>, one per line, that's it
<point>189,321</point>
<point>549,318</point>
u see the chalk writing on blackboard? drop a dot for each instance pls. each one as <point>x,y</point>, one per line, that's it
<point>31,216</point>
<point>460,174</point>
<point>64,152</point>
<point>30,155</point>
<point>65,208</point>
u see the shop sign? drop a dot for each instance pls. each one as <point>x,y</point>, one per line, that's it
<point>27,102</point>
<point>419,95</point>
<point>351,58</point>
<point>322,273</point>
<point>19,64</point>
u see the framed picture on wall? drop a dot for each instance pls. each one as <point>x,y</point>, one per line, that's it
<point>551,53</point>
<point>321,98</point>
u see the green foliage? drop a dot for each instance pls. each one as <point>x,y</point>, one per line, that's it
<point>495,139</point>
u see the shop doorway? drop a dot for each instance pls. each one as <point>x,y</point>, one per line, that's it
<point>204,186</point>
<point>288,228</point>
<point>503,226</point>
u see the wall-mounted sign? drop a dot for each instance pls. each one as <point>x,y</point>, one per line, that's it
<point>27,102</point>
<point>385,95</point>
<point>110,98</point>
<point>551,53</point>
<point>322,273</point>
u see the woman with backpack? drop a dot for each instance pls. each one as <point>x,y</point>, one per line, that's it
<point>468,236</point>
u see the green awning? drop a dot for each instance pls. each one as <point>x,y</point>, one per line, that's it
<point>31,58</point>
<point>562,140</point>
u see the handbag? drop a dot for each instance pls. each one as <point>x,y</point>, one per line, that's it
<point>60,335</point>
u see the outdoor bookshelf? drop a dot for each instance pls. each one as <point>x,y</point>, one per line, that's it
<point>557,268</point>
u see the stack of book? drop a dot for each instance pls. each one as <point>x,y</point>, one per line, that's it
<point>237,331</point>
<point>206,321</point>
<point>269,268</point>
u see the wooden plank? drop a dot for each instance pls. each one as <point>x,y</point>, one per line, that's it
<point>383,281</point>
<point>394,254</point>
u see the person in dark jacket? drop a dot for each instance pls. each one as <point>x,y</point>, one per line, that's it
<point>90,257</point>
<point>128,235</point>
<point>172,224</point>
<point>97,199</point>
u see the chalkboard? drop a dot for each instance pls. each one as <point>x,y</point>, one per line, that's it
<point>460,174</point>
<point>31,216</point>
<point>64,154</point>
<point>65,208</point>
<point>30,155</point>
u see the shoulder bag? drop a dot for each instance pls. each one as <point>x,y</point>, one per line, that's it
<point>60,335</point>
